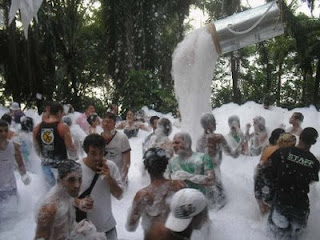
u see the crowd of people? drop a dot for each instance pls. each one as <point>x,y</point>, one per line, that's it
<point>82,172</point>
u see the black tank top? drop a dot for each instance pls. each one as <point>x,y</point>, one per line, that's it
<point>52,146</point>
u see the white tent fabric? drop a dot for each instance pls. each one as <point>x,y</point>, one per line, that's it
<point>28,10</point>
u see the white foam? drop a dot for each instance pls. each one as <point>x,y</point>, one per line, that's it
<point>238,220</point>
<point>192,70</point>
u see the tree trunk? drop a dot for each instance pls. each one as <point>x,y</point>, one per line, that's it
<point>279,84</point>
<point>235,66</point>
<point>11,66</point>
<point>316,85</point>
<point>269,79</point>
<point>304,87</point>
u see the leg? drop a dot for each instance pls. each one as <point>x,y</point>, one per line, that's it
<point>48,175</point>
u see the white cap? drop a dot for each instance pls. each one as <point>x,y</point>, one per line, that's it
<point>185,204</point>
<point>14,106</point>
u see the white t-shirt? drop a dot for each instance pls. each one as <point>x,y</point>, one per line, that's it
<point>101,214</point>
<point>118,145</point>
<point>7,160</point>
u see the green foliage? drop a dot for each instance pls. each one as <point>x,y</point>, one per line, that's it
<point>144,89</point>
<point>121,52</point>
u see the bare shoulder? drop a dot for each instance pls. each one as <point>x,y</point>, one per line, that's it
<point>144,194</point>
<point>63,127</point>
<point>47,210</point>
<point>176,185</point>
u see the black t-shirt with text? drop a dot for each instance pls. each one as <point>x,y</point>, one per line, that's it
<point>292,170</point>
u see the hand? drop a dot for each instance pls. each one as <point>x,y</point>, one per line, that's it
<point>103,170</point>
<point>181,175</point>
<point>86,204</point>
<point>25,179</point>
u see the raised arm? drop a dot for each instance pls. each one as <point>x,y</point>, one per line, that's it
<point>113,178</point>
<point>121,125</point>
<point>227,149</point>
<point>144,127</point>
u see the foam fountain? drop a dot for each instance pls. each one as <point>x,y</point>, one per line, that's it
<point>195,57</point>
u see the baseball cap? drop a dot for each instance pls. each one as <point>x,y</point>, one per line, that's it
<point>15,106</point>
<point>185,204</point>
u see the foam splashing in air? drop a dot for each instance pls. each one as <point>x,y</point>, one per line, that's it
<point>193,65</point>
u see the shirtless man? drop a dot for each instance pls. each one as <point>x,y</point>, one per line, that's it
<point>161,137</point>
<point>188,212</point>
<point>154,124</point>
<point>150,203</point>
<point>213,144</point>
<point>258,139</point>
<point>235,135</point>
<point>295,120</point>
<point>56,215</point>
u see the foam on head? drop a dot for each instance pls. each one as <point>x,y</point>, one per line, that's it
<point>68,166</point>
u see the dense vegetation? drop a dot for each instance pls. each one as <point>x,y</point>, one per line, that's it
<point>120,51</point>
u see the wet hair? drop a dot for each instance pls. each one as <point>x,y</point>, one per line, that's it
<point>92,118</point>
<point>139,115</point>
<point>299,116</point>
<point>309,136</point>
<point>232,119</point>
<point>155,161</point>
<point>4,123</point>
<point>276,133</point>
<point>6,117</point>
<point>26,124</point>
<point>68,166</point>
<point>287,140</point>
<point>261,122</point>
<point>47,104</point>
<point>153,118</point>
<point>67,120</point>
<point>55,108</point>
<point>207,119</point>
<point>165,125</point>
<point>93,140</point>
<point>89,104</point>
<point>186,138</point>
<point>111,116</point>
